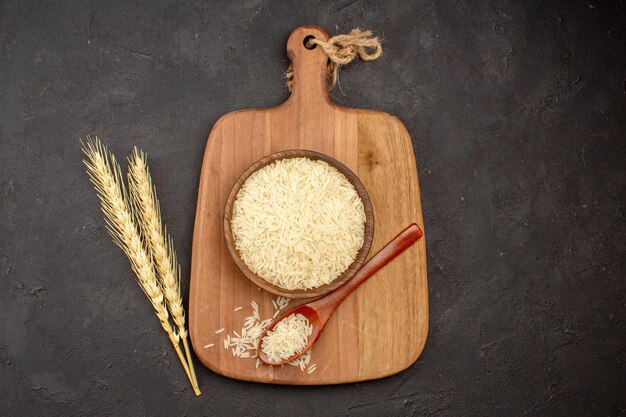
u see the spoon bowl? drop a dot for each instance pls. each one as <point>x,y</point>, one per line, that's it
<point>318,312</point>
<point>314,318</point>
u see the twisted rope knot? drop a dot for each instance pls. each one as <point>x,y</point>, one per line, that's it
<point>341,50</point>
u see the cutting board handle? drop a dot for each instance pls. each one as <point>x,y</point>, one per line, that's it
<point>309,67</point>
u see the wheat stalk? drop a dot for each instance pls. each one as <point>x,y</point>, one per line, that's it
<point>105,174</point>
<point>148,214</point>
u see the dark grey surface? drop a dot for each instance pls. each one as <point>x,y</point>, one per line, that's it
<point>518,117</point>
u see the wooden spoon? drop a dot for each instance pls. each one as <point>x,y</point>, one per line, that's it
<point>319,311</point>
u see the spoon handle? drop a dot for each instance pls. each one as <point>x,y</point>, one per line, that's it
<point>399,244</point>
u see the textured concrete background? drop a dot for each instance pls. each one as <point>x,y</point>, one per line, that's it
<point>518,116</point>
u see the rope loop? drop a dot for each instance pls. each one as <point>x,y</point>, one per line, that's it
<point>341,50</point>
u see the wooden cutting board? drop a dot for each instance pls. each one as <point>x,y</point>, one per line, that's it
<point>381,328</point>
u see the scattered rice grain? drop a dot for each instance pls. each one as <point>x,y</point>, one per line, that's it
<point>243,344</point>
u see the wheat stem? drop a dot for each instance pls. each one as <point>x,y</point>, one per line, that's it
<point>176,345</point>
<point>190,361</point>
<point>105,174</point>
<point>148,214</point>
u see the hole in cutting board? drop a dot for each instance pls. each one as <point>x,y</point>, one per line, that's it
<point>307,42</point>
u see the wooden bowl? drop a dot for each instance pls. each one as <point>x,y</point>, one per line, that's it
<point>348,273</point>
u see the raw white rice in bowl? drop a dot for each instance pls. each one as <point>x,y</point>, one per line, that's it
<point>298,223</point>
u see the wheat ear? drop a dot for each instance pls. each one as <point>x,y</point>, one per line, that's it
<point>148,213</point>
<point>105,174</point>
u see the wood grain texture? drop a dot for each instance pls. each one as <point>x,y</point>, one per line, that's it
<point>348,273</point>
<point>381,328</point>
